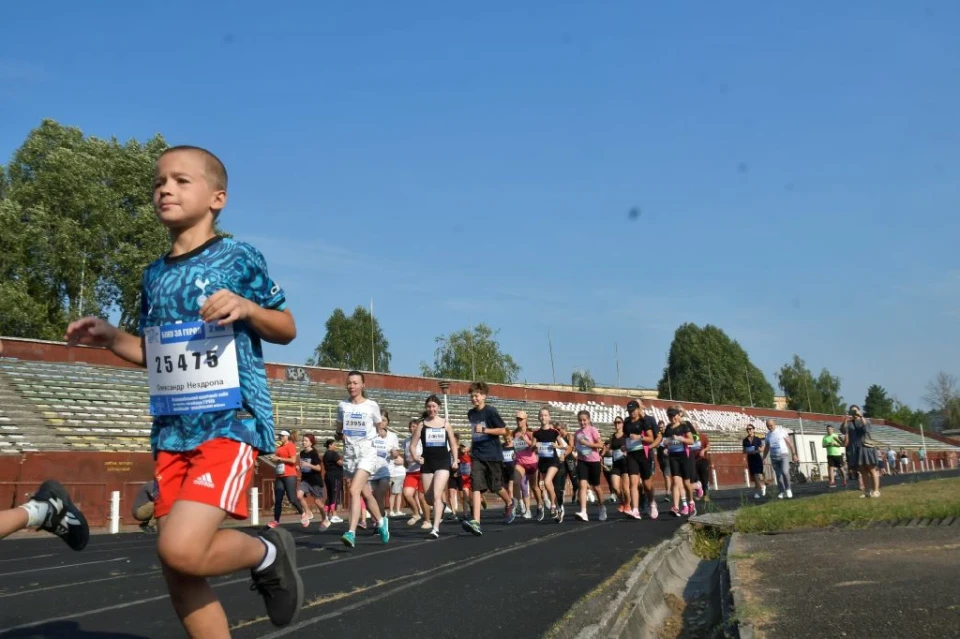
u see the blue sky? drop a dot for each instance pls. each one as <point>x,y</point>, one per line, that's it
<point>797,167</point>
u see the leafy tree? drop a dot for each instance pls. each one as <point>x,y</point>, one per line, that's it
<point>78,229</point>
<point>582,380</point>
<point>805,392</point>
<point>906,416</point>
<point>473,354</point>
<point>877,403</point>
<point>348,345</point>
<point>705,365</point>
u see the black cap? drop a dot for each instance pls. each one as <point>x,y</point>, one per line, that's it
<point>633,405</point>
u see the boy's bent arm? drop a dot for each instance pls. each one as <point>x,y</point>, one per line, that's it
<point>277,327</point>
<point>129,347</point>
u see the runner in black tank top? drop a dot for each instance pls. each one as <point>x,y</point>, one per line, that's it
<point>437,439</point>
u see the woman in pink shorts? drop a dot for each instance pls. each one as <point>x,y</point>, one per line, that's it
<point>526,456</point>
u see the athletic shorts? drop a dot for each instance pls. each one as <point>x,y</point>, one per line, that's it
<point>682,466</point>
<point>663,462</point>
<point>640,463</point>
<point>216,473</point>
<point>589,471</point>
<point>528,463</point>
<point>431,466</point>
<point>619,467</point>
<point>508,471</point>
<point>363,458</point>
<point>413,480</point>
<point>546,463</point>
<point>314,490</point>
<point>755,464</point>
<point>396,485</point>
<point>835,461</point>
<point>486,476</point>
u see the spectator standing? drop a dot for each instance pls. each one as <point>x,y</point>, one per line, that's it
<point>862,451</point>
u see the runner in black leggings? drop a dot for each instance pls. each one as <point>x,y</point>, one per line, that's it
<point>332,478</point>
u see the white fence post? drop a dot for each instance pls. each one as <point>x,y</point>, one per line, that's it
<point>716,485</point>
<point>941,463</point>
<point>913,466</point>
<point>114,512</point>
<point>254,506</point>
<point>746,478</point>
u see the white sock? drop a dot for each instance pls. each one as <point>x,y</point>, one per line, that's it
<point>269,557</point>
<point>36,512</point>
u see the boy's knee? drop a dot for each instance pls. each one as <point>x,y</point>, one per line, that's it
<point>182,559</point>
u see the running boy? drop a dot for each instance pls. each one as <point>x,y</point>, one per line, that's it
<point>49,509</point>
<point>205,308</point>
<point>486,472</point>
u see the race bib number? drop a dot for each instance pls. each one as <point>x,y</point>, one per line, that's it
<point>545,449</point>
<point>479,437</point>
<point>520,444</point>
<point>464,468</point>
<point>508,456</point>
<point>617,455</point>
<point>355,425</point>
<point>749,449</point>
<point>696,445</point>
<point>436,437</point>
<point>192,368</point>
<point>584,450</point>
<point>675,446</point>
<point>381,446</point>
<point>608,462</point>
<point>278,469</point>
<point>634,444</point>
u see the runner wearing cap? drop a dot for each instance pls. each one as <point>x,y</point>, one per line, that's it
<point>642,438</point>
<point>285,468</point>
<point>526,468</point>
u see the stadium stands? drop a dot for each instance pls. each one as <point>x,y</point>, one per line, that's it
<point>69,406</point>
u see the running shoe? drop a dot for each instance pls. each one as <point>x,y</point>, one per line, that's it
<point>526,514</point>
<point>308,513</point>
<point>757,496</point>
<point>603,513</point>
<point>514,507</point>
<point>582,516</point>
<point>336,520</point>
<point>63,518</point>
<point>699,492</point>
<point>305,519</point>
<point>279,583</point>
<point>554,513</point>
<point>349,539</point>
<point>510,517</point>
<point>693,508</point>
<point>324,524</point>
<point>675,511</point>
<point>472,526</point>
<point>560,512</point>
<point>634,514</point>
<point>426,525</point>
<point>541,513</point>
<point>779,495</point>
<point>623,509</point>
<point>273,524</point>
<point>384,529</point>
<point>685,510</point>
<point>654,513</point>
<point>789,494</point>
<point>875,494</point>
<point>362,523</point>
<point>433,534</point>
<point>612,498</point>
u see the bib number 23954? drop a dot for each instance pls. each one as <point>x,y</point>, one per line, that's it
<point>192,368</point>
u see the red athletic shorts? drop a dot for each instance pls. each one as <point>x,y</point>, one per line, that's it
<point>216,473</point>
<point>413,480</point>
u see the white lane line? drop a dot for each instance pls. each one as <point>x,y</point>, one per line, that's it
<point>26,558</point>
<point>367,599</point>
<point>63,567</point>
<point>87,613</point>
<point>79,583</point>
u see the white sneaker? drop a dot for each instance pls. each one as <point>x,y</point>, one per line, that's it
<point>789,494</point>
<point>603,513</point>
<point>336,520</point>
<point>581,516</point>
<point>757,496</point>
<point>779,495</point>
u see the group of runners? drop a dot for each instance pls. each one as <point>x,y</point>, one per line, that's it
<point>433,473</point>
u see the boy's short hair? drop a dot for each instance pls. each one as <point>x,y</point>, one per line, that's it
<point>329,443</point>
<point>214,170</point>
<point>479,387</point>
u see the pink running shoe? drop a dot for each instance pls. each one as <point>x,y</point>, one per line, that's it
<point>305,520</point>
<point>654,513</point>
<point>635,514</point>
<point>693,509</point>
<point>273,524</point>
<point>685,510</point>
<point>699,493</point>
<point>675,511</point>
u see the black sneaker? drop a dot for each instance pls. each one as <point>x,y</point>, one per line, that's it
<point>279,584</point>
<point>63,519</point>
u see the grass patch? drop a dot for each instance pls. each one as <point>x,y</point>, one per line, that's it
<point>708,542</point>
<point>931,499</point>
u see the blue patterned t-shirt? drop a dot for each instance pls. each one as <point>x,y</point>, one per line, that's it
<point>174,289</point>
